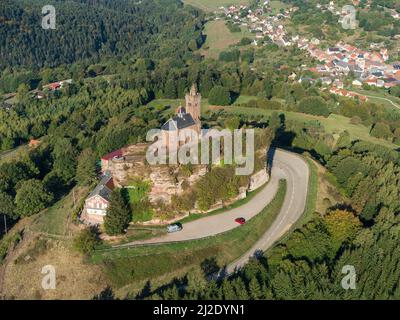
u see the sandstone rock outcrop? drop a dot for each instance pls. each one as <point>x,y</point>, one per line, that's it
<point>165,180</point>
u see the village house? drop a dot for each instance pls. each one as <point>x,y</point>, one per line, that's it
<point>97,202</point>
<point>57,85</point>
<point>348,94</point>
<point>33,143</point>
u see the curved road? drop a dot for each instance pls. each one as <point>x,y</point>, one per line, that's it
<point>285,165</point>
<point>296,172</point>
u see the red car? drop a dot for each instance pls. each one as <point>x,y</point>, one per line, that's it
<point>240,220</point>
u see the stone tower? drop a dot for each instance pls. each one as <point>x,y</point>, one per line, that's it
<point>193,103</point>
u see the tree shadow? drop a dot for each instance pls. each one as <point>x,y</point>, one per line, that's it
<point>209,266</point>
<point>342,206</point>
<point>180,284</point>
<point>145,292</point>
<point>270,159</point>
<point>106,294</point>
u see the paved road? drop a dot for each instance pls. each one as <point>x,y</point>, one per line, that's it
<point>296,172</point>
<point>285,166</point>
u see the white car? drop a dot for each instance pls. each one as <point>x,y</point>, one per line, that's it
<point>174,228</point>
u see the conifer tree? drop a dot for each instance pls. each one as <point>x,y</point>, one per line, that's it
<point>254,289</point>
<point>118,215</point>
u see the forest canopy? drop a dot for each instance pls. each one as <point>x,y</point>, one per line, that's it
<point>90,31</point>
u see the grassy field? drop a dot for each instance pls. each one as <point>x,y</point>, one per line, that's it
<point>334,124</point>
<point>312,194</point>
<point>212,5</point>
<point>56,219</point>
<point>11,155</point>
<point>243,99</point>
<point>134,195</point>
<point>276,6</point>
<point>219,38</point>
<point>124,266</point>
<point>161,104</point>
<point>380,97</point>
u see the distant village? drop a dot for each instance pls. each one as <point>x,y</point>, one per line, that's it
<point>335,63</point>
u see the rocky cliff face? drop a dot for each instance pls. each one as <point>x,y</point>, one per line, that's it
<point>166,180</point>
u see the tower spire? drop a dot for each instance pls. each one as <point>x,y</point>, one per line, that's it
<point>193,103</point>
<point>193,90</point>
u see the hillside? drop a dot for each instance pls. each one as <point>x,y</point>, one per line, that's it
<point>87,31</point>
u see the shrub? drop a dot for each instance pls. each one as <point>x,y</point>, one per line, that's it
<point>381,130</point>
<point>315,106</point>
<point>219,96</point>
<point>355,120</point>
<point>86,241</point>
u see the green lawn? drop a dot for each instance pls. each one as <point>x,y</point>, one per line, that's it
<point>134,195</point>
<point>312,195</point>
<point>128,265</point>
<point>143,233</point>
<point>212,5</point>
<point>243,99</point>
<point>160,104</point>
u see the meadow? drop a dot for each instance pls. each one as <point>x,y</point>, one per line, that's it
<point>220,38</point>
<point>212,5</point>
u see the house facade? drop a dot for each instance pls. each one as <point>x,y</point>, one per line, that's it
<point>97,202</point>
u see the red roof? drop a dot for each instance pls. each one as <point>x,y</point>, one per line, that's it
<point>34,143</point>
<point>116,153</point>
<point>55,85</point>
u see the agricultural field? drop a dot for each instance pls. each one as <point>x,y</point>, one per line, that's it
<point>219,38</point>
<point>212,5</point>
